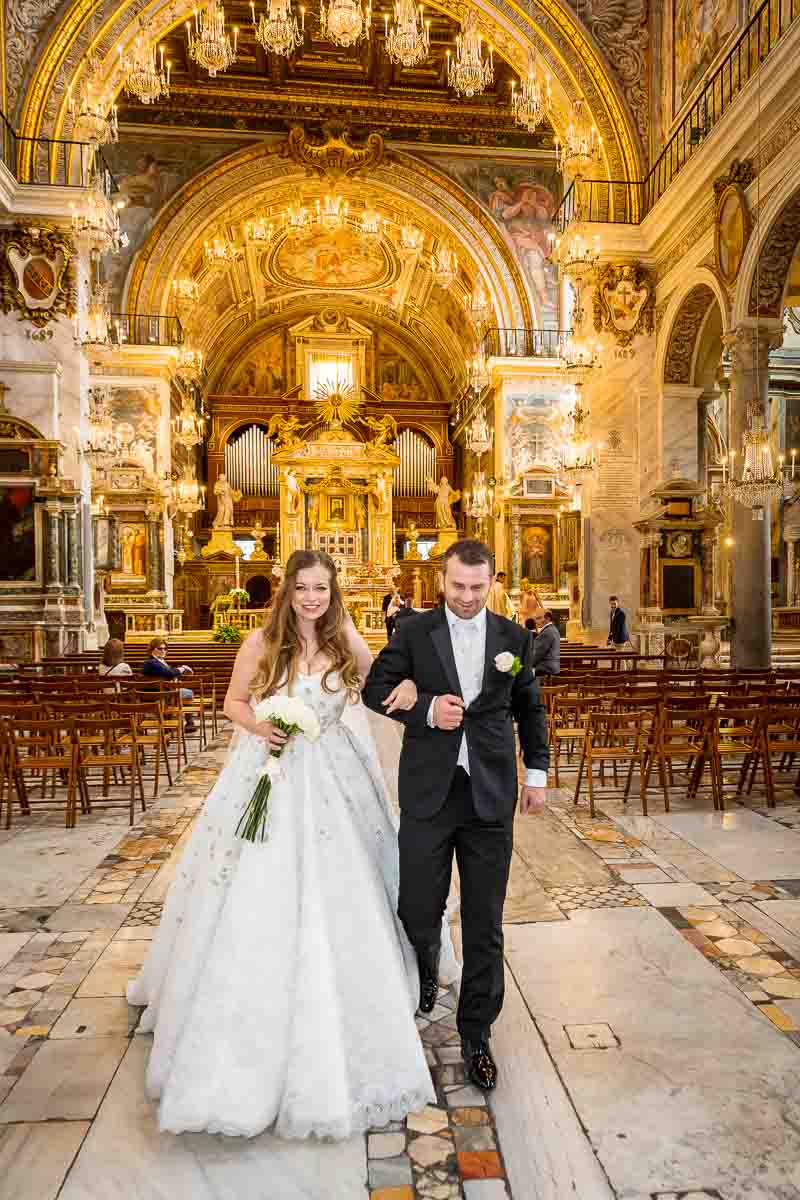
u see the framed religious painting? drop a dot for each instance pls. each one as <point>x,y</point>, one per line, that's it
<point>539,553</point>
<point>20,534</point>
<point>731,232</point>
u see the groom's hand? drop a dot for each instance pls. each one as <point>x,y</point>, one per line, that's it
<point>448,712</point>
<point>403,697</point>
<point>531,800</point>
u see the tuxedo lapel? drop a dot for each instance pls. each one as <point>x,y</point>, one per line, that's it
<point>440,636</point>
<point>493,647</point>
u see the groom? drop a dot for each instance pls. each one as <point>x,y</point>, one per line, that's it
<point>458,781</point>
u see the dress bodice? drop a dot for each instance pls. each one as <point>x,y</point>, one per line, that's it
<point>328,705</point>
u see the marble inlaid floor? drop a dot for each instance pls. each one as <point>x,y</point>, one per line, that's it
<point>649,1045</point>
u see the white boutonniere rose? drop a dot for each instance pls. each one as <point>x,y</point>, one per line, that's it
<point>508,663</point>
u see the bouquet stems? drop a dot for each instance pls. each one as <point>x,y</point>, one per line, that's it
<point>252,825</point>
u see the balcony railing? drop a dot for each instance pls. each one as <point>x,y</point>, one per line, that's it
<point>629,203</point>
<point>523,343</point>
<point>142,329</point>
<point>48,161</point>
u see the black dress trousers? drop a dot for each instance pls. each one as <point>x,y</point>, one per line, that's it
<point>483,854</point>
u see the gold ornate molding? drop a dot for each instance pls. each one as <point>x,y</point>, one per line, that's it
<point>336,157</point>
<point>35,274</point>
<point>624,301</point>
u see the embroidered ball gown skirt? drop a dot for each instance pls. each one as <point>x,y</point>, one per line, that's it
<point>280,987</point>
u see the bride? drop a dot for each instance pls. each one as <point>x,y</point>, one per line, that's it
<point>280,988</point>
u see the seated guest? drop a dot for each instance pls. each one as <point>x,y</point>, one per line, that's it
<point>156,666</point>
<point>112,662</point>
<point>391,610</point>
<point>405,610</point>
<point>546,646</point>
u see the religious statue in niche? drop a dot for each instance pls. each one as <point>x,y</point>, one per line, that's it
<point>624,302</point>
<point>379,493</point>
<point>292,492</point>
<point>446,496</point>
<point>226,498</point>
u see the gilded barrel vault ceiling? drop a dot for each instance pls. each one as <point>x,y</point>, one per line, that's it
<point>259,95</point>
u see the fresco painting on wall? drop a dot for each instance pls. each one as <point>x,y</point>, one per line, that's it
<point>137,417</point>
<point>522,197</point>
<point>700,30</point>
<point>396,378</point>
<point>148,171</point>
<point>262,372</point>
<point>331,258</point>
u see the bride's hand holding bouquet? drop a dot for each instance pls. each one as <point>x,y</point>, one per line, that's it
<point>278,719</point>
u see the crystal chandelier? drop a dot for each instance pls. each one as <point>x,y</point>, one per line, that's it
<point>582,146</point>
<point>188,429</point>
<point>578,459</point>
<point>479,435</point>
<point>576,359</point>
<point>189,496</point>
<point>529,105</point>
<point>578,256</point>
<point>759,483</point>
<point>185,291</point>
<point>477,304</point>
<point>219,252</point>
<point>297,218</point>
<point>444,265</point>
<point>97,321</point>
<point>277,29</point>
<point>332,212</point>
<point>343,22</point>
<point>371,225</point>
<point>101,445</point>
<point>468,73</point>
<point>410,238</point>
<point>189,366</point>
<point>408,41</point>
<point>478,374</point>
<point>146,78</point>
<point>98,223</point>
<point>209,44</point>
<point>94,115</point>
<point>479,502</point>
<point>259,230</point>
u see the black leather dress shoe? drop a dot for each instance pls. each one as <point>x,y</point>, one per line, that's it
<point>428,980</point>
<point>481,1067</point>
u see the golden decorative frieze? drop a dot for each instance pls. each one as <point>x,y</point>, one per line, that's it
<point>336,157</point>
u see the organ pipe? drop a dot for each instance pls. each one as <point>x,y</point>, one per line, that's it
<point>248,463</point>
<point>417,463</point>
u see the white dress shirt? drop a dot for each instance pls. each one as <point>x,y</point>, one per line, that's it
<point>469,651</point>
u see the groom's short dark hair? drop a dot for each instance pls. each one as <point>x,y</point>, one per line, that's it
<point>470,552</point>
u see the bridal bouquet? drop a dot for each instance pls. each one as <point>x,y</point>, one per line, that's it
<point>292,716</point>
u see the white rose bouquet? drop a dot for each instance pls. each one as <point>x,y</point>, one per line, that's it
<point>292,716</point>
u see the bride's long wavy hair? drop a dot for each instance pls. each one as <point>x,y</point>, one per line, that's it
<point>282,641</point>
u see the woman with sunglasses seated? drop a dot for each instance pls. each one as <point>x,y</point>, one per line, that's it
<point>157,667</point>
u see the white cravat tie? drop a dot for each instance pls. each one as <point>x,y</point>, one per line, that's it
<point>469,653</point>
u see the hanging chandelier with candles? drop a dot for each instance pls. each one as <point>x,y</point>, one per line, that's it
<point>94,115</point>
<point>185,290</point>
<point>576,359</point>
<point>344,22</point>
<point>209,42</point>
<point>95,327</point>
<point>220,252</point>
<point>189,496</point>
<point>578,255</point>
<point>410,238</point>
<point>146,74</point>
<point>477,304</point>
<point>530,105</point>
<point>759,482</point>
<point>479,500</point>
<point>479,434</point>
<point>188,428</point>
<point>259,230</point>
<point>189,366</point>
<point>468,72</point>
<point>408,38</point>
<point>478,374</point>
<point>444,265</point>
<point>578,459</point>
<point>277,29</point>
<point>371,225</point>
<point>582,146</point>
<point>101,444</point>
<point>97,223</point>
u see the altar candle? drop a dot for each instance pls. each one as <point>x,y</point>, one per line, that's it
<point>236,560</point>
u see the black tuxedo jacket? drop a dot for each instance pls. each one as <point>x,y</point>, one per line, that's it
<point>422,650</point>
<point>618,627</point>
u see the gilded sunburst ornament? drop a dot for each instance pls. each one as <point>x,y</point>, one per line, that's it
<point>336,405</point>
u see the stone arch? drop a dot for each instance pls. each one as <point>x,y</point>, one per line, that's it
<point>767,258</point>
<point>686,314</point>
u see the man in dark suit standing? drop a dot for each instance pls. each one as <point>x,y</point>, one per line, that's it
<point>618,635</point>
<point>547,646</point>
<point>458,781</point>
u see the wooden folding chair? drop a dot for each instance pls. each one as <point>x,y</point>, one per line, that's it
<point>109,745</point>
<point>150,732</point>
<point>39,747</point>
<point>617,737</point>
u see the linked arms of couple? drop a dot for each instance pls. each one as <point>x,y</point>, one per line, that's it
<point>237,700</point>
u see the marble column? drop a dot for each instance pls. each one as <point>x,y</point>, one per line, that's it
<point>155,573</point>
<point>751,606</point>
<point>655,571</point>
<point>73,551</point>
<point>516,552</point>
<point>789,539</point>
<point>709,540</point>
<point>53,579</point>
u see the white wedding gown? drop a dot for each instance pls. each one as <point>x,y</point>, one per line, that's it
<point>280,987</point>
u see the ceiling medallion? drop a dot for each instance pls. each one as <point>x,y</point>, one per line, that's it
<point>146,78</point>
<point>468,73</point>
<point>344,22</point>
<point>277,29</point>
<point>210,45</point>
<point>582,146</point>
<point>408,40</point>
<point>336,157</point>
<point>531,103</point>
<point>94,116</point>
